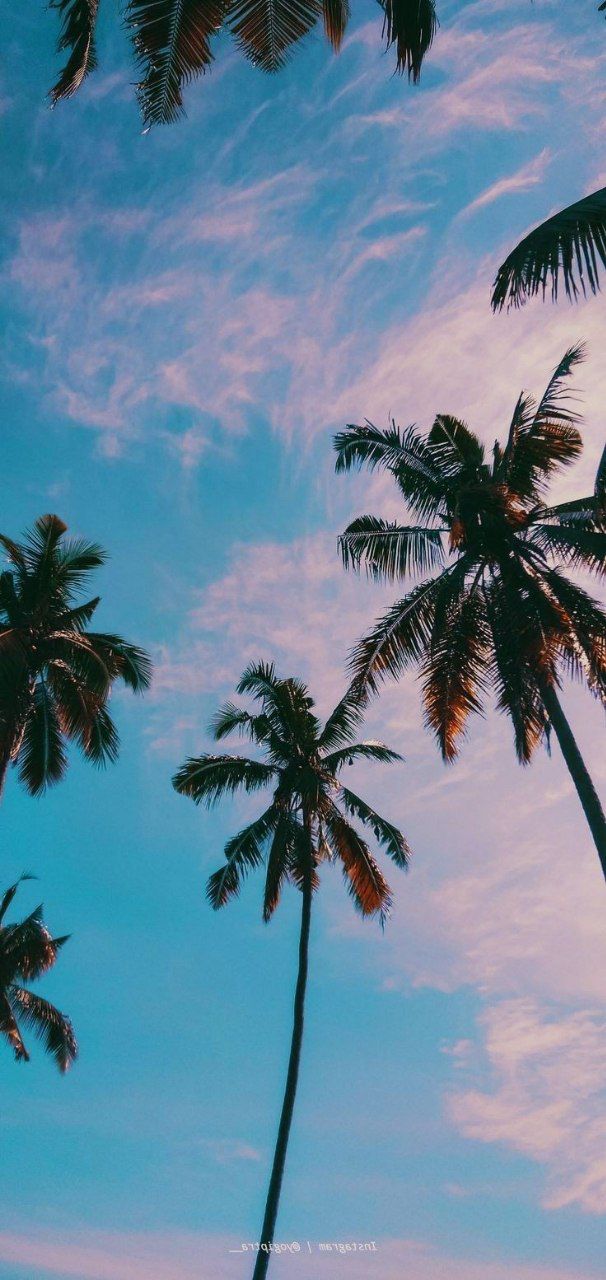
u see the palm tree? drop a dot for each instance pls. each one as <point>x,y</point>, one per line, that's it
<point>173,39</point>
<point>497,609</point>
<point>306,823</point>
<point>572,242</point>
<point>27,950</point>
<point>56,675</point>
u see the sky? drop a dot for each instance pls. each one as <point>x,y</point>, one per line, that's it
<point>189,315</point>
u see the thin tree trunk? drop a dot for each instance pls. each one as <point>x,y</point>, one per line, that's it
<point>275,1182</point>
<point>578,771</point>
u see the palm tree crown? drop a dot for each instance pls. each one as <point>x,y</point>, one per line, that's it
<point>309,818</point>
<point>55,674</point>
<point>27,950</point>
<point>498,610</point>
<point>173,39</point>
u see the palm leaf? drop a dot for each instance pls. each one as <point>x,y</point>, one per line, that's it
<point>346,718</point>
<point>336,17</point>
<point>129,662</point>
<point>9,1029</point>
<point>266,29</point>
<point>171,39</point>
<point>388,836</point>
<point>454,447</point>
<point>410,25</point>
<point>207,778</point>
<point>360,751</point>
<point>403,452</point>
<point>580,548</point>
<point>79,19</point>
<point>279,860</point>
<point>455,668</point>
<point>572,244</point>
<point>42,758</point>
<point>388,550</point>
<point>50,1025</point>
<point>402,636</point>
<point>242,853</point>
<point>365,881</point>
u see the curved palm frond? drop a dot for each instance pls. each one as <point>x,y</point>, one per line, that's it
<point>266,29</point>
<point>364,878</point>
<point>410,25</point>
<point>360,751</point>
<point>49,1024</point>
<point>171,40</point>
<point>388,550</point>
<point>344,720</point>
<point>79,18</point>
<point>282,856</point>
<point>128,662</point>
<point>401,637</point>
<point>42,757</point>
<point>243,852</point>
<point>388,836</point>
<point>207,778</point>
<point>572,243</point>
<point>405,453</point>
<point>10,1030</point>
<point>454,447</point>
<point>455,668</point>
<point>577,547</point>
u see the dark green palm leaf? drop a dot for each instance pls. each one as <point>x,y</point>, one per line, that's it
<point>10,1030</point>
<point>410,25</point>
<point>335,760</point>
<point>127,661</point>
<point>242,853</point>
<point>49,1024</point>
<point>572,244</point>
<point>267,29</point>
<point>454,671</point>
<point>454,447</point>
<point>388,836</point>
<point>365,881</point>
<point>79,19</point>
<point>388,550</point>
<point>207,778</point>
<point>336,17</point>
<point>580,548</point>
<point>401,637</point>
<point>42,758</point>
<point>172,44</point>
<point>403,452</point>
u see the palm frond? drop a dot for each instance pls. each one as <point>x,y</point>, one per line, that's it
<point>207,778</point>
<point>403,452</point>
<point>344,720</point>
<point>455,448</point>
<point>129,662</point>
<point>584,647</point>
<point>79,19</point>
<point>577,547</point>
<point>513,670</point>
<point>10,1030</point>
<point>335,760</point>
<point>266,29</point>
<point>50,1025</point>
<point>388,550</point>
<point>570,244</point>
<point>242,853</point>
<point>401,637</point>
<point>365,881</point>
<point>28,950</point>
<point>42,758</point>
<point>455,668</point>
<point>410,25</point>
<point>388,836</point>
<point>336,17</point>
<point>171,40</point>
<point>279,860</point>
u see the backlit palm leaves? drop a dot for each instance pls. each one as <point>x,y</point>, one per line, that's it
<point>56,674</point>
<point>27,950</point>
<point>172,39</point>
<point>497,611</point>
<point>311,819</point>
<point>569,247</point>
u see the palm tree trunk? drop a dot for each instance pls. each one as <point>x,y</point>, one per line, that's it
<point>275,1182</point>
<point>578,771</point>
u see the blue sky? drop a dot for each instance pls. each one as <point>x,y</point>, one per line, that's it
<point>189,315</point>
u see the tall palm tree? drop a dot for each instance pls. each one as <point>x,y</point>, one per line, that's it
<point>173,39</point>
<point>55,674</point>
<point>497,610</point>
<point>307,822</point>
<point>27,950</point>
<point>572,244</point>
